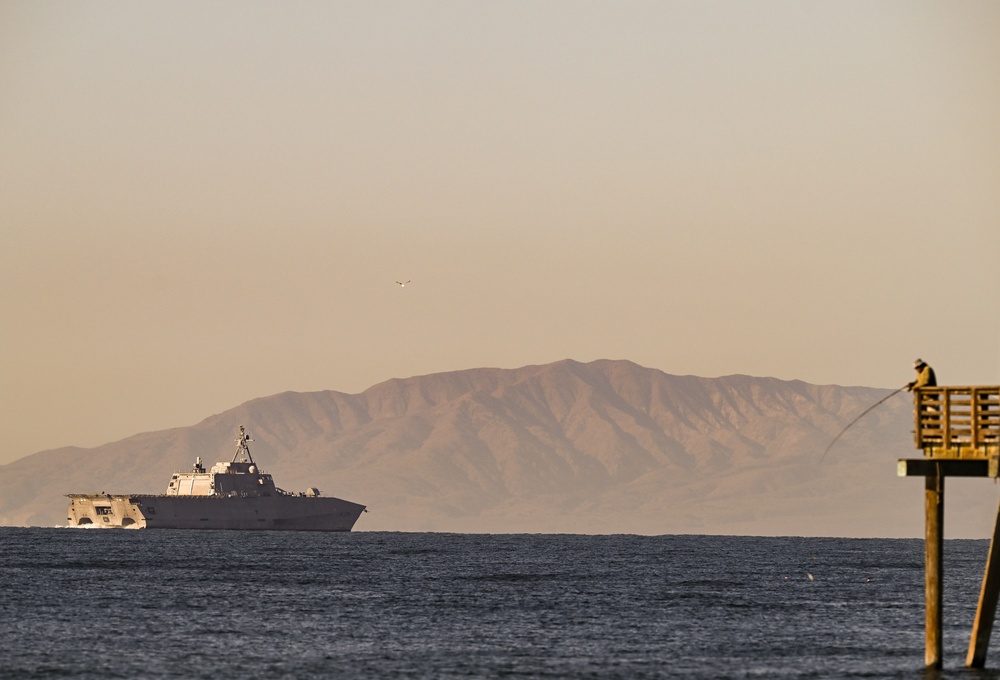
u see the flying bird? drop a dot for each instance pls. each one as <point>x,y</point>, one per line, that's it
<point>402,284</point>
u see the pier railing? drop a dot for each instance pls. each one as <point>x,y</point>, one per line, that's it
<point>958,422</point>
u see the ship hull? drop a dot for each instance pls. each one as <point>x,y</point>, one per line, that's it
<point>280,513</point>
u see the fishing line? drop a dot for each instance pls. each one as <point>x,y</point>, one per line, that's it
<point>848,426</point>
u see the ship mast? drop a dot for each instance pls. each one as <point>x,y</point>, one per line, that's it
<point>243,449</point>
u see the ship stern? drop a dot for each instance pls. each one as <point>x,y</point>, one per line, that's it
<point>104,511</point>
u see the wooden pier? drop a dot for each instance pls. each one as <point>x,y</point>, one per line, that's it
<point>958,429</point>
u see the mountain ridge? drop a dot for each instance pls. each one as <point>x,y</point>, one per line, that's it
<point>606,446</point>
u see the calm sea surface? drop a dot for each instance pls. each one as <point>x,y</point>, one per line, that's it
<point>210,604</point>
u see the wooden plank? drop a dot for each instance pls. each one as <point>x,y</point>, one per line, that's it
<point>947,467</point>
<point>986,610</point>
<point>947,416</point>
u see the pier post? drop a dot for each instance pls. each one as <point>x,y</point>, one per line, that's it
<point>934,551</point>
<point>986,610</point>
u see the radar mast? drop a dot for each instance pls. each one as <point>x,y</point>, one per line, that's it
<point>243,450</point>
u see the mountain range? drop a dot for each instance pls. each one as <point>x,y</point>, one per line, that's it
<point>601,447</point>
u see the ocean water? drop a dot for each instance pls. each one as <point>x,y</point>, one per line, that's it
<point>209,604</point>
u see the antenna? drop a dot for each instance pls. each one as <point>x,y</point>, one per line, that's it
<point>243,449</point>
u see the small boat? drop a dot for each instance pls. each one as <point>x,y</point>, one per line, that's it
<point>231,495</point>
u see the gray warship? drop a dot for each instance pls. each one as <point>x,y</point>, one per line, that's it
<point>232,495</point>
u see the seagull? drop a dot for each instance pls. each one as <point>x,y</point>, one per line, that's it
<point>402,284</point>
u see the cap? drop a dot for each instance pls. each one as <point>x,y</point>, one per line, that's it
<point>918,363</point>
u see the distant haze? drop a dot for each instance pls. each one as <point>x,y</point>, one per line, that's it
<point>600,447</point>
<point>203,203</point>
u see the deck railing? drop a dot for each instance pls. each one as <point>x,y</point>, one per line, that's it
<point>958,421</point>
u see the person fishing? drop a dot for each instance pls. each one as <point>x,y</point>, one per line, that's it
<point>925,376</point>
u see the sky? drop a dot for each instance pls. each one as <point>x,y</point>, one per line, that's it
<point>202,203</point>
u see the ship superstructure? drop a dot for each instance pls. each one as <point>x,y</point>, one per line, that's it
<point>231,495</point>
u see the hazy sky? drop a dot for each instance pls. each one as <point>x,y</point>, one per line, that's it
<point>206,202</point>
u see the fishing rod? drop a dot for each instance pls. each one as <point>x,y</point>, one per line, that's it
<point>848,426</point>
